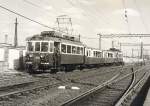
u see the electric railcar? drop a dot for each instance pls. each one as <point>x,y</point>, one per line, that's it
<point>53,51</point>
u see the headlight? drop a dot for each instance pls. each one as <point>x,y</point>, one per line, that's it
<point>42,55</point>
<point>30,55</point>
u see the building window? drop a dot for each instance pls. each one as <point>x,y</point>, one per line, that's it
<point>68,49</point>
<point>51,47</point>
<point>37,46</point>
<point>44,46</point>
<point>63,48</point>
<point>30,46</point>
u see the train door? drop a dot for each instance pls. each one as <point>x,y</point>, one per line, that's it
<point>56,56</point>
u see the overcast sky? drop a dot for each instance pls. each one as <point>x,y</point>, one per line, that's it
<point>89,18</point>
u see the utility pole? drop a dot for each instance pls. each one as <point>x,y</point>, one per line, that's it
<point>120,46</point>
<point>112,44</point>
<point>79,37</point>
<point>6,37</point>
<point>141,54</point>
<point>100,36</point>
<point>132,53</point>
<point>15,37</point>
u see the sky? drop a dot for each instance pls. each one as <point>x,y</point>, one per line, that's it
<point>89,17</point>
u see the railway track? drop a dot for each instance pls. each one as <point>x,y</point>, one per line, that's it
<point>21,88</point>
<point>18,90</point>
<point>128,96</point>
<point>106,94</point>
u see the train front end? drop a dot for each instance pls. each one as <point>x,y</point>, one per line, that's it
<point>39,56</point>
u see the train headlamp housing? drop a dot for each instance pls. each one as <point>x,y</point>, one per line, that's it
<point>42,55</point>
<point>30,55</point>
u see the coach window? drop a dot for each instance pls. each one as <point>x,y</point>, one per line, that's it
<point>78,50</point>
<point>68,49</point>
<point>89,53</point>
<point>51,47</point>
<point>73,50</point>
<point>94,53</point>
<point>63,48</point>
<point>44,46</point>
<point>100,54</point>
<point>81,50</point>
<point>37,46</point>
<point>97,54</point>
<point>30,46</point>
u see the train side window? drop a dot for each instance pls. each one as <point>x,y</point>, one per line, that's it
<point>97,54</point>
<point>68,49</point>
<point>37,46</point>
<point>63,48</point>
<point>30,46</point>
<point>94,53</point>
<point>87,53</point>
<point>81,50</point>
<point>73,50</point>
<point>78,50</point>
<point>44,46</point>
<point>51,47</point>
<point>100,54</point>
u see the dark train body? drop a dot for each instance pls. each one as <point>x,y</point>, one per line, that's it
<point>53,51</point>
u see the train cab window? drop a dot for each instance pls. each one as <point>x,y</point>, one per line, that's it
<point>51,47</point>
<point>73,50</point>
<point>68,49</point>
<point>63,48</point>
<point>37,46</point>
<point>78,50</point>
<point>30,46</point>
<point>110,55</point>
<point>44,46</point>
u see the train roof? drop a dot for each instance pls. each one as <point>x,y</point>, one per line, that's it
<point>55,36</point>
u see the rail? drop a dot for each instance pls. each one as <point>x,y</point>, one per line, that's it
<point>83,95</point>
<point>133,88</point>
<point>131,85</point>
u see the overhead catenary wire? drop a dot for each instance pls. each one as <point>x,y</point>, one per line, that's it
<point>25,17</point>
<point>46,26</point>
